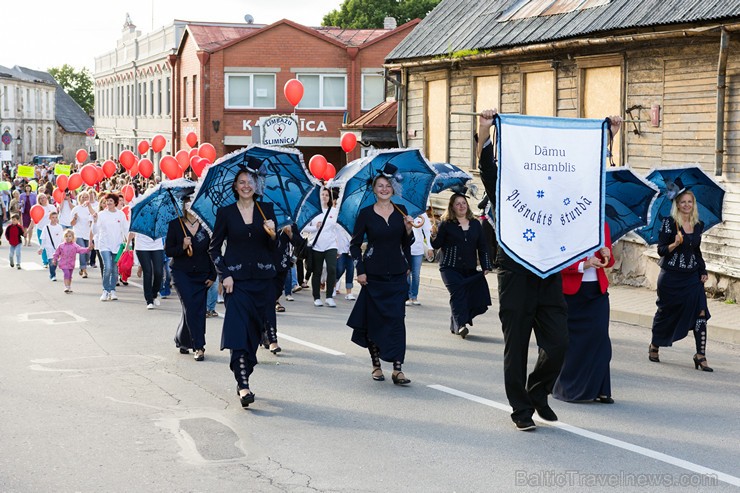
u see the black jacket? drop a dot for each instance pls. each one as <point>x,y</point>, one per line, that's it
<point>200,262</point>
<point>462,249</point>
<point>388,244</point>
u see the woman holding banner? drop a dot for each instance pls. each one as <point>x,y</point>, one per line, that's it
<point>460,236</point>
<point>585,372</point>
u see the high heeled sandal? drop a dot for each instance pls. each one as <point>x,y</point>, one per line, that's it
<point>245,399</point>
<point>701,363</point>
<point>402,380</point>
<point>275,350</point>
<point>377,374</point>
<point>653,350</point>
<point>604,399</point>
<point>199,355</point>
<point>184,350</point>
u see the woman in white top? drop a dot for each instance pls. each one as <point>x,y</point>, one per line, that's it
<point>65,209</point>
<point>43,201</point>
<point>345,264</point>
<point>150,256</point>
<point>111,229</point>
<point>83,215</point>
<point>421,246</point>
<point>323,241</point>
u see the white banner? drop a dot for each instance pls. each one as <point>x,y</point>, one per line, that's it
<point>550,201</point>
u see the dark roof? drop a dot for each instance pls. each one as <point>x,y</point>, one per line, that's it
<point>456,25</point>
<point>383,115</point>
<point>211,37</point>
<point>69,115</point>
<point>351,37</point>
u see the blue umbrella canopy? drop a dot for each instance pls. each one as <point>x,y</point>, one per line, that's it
<point>152,212</point>
<point>709,198</point>
<point>448,177</point>
<point>287,183</point>
<point>414,176</point>
<point>310,208</point>
<point>628,201</point>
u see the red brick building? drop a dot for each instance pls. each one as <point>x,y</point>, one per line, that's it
<point>223,86</point>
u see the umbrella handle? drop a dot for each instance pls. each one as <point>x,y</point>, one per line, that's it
<point>268,230</point>
<point>404,215</point>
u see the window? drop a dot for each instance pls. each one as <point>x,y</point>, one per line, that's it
<point>486,97</point>
<point>5,98</point>
<point>327,92</point>
<point>195,96</point>
<point>151,97</point>
<point>435,123</point>
<point>186,98</point>
<point>539,93</point>
<point>250,91</point>
<point>167,96</point>
<point>601,96</point>
<point>159,97</point>
<point>373,90</point>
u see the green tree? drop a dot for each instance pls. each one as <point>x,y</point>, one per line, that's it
<point>369,14</point>
<point>77,83</point>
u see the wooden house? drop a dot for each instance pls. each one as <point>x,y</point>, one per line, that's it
<point>672,67</point>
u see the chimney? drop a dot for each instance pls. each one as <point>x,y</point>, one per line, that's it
<point>389,23</point>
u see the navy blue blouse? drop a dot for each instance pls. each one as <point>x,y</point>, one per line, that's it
<point>687,256</point>
<point>250,252</point>
<point>462,249</point>
<point>200,262</point>
<point>388,244</point>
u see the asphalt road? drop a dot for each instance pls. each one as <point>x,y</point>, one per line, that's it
<point>95,397</point>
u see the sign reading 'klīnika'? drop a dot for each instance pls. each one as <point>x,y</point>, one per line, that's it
<point>280,130</point>
<point>550,200</point>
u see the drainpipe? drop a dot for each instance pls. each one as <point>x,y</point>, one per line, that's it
<point>719,146</point>
<point>397,81</point>
<point>174,119</point>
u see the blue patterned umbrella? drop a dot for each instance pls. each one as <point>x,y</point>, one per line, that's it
<point>310,208</point>
<point>628,201</point>
<point>287,183</point>
<point>152,212</point>
<point>414,175</point>
<point>448,177</point>
<point>709,197</point>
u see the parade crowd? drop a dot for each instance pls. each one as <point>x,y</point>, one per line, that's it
<point>254,267</point>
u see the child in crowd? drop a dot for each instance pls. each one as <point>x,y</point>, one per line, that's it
<point>64,257</point>
<point>52,236</point>
<point>14,234</point>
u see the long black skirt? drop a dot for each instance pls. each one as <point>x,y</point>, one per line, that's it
<point>378,316</point>
<point>681,298</point>
<point>585,372</point>
<point>192,291</point>
<point>469,296</point>
<point>247,314</point>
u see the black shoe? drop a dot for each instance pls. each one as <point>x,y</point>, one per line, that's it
<point>377,374</point>
<point>247,399</point>
<point>184,350</point>
<point>524,424</point>
<point>701,364</point>
<point>653,354</point>
<point>275,350</point>
<point>546,413</point>
<point>402,380</point>
<point>604,399</point>
<point>463,332</point>
<point>199,355</point>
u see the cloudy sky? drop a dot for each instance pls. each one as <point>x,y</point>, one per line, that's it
<point>47,33</point>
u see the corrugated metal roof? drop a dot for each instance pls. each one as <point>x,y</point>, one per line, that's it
<point>351,37</point>
<point>456,25</point>
<point>383,115</point>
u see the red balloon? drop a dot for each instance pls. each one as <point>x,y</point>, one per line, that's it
<point>143,147</point>
<point>134,170</point>
<point>317,165</point>
<point>183,159</point>
<point>89,175</point>
<point>293,91</point>
<point>62,182</point>
<point>81,155</point>
<point>170,167</point>
<point>126,210</point>
<point>207,151</point>
<point>109,168</point>
<point>58,195</point>
<point>74,182</point>
<point>158,143</point>
<point>146,168</point>
<point>349,141</point>
<point>198,164</point>
<point>330,172</point>
<point>100,172</point>
<point>37,213</point>
<point>191,139</point>
<point>128,193</point>
<point>193,152</point>
<point>127,159</point>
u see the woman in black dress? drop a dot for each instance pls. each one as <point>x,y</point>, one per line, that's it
<point>463,243</point>
<point>247,272</point>
<point>378,315</point>
<point>682,302</point>
<point>193,275</point>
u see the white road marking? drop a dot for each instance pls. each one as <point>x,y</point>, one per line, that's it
<point>668,459</point>
<point>51,320</point>
<point>310,344</point>
<point>31,265</point>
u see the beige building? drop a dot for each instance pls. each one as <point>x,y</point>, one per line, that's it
<point>670,66</point>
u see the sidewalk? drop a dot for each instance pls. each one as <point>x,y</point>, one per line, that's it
<point>630,305</point>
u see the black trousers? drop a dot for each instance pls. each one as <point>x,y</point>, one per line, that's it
<point>527,302</point>
<point>317,266</point>
<point>152,265</point>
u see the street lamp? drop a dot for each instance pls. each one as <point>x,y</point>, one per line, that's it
<point>97,146</point>
<point>18,141</point>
